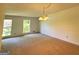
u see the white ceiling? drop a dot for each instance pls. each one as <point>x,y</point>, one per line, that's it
<point>34,9</point>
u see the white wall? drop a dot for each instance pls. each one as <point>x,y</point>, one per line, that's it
<point>63,25</point>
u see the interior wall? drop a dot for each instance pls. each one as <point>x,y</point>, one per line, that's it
<point>1,22</point>
<point>63,25</point>
<point>17,26</point>
<point>34,24</point>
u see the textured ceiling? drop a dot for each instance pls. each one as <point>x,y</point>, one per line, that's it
<point>35,9</point>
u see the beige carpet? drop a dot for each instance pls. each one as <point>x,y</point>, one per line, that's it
<point>39,44</point>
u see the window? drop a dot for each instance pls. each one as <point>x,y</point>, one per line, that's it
<point>7,27</point>
<point>26,26</point>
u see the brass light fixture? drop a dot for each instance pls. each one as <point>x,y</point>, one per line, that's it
<point>44,16</point>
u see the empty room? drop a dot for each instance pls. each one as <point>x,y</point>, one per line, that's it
<point>39,28</point>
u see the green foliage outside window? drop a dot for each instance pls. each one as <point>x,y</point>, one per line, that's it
<point>26,26</point>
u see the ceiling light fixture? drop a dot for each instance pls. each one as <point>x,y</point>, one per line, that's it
<point>44,16</point>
